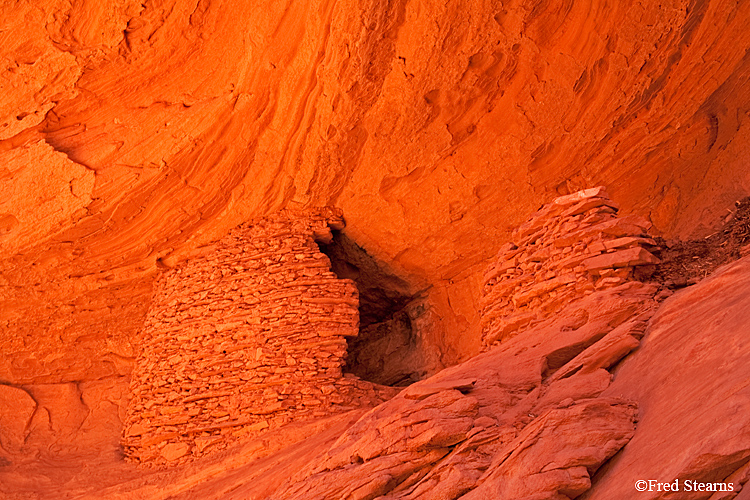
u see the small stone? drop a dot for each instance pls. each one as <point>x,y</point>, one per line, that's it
<point>623,258</point>
<point>485,422</point>
<point>258,426</point>
<point>136,429</point>
<point>202,443</point>
<point>421,391</point>
<point>173,451</point>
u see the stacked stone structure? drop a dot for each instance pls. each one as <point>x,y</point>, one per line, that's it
<point>566,250</point>
<point>245,338</point>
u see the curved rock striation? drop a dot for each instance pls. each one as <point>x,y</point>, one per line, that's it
<point>427,123</point>
<point>134,133</point>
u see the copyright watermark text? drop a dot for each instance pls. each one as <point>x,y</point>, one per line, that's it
<point>681,485</point>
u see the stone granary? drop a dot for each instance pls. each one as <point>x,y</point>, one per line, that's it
<point>568,249</point>
<point>247,337</point>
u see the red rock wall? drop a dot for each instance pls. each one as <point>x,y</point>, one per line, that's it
<point>566,250</point>
<point>429,123</point>
<point>248,337</point>
<point>436,125</point>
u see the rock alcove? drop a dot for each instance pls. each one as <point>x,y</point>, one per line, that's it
<point>134,134</point>
<point>388,349</point>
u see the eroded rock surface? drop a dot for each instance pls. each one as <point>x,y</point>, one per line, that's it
<point>690,378</point>
<point>133,133</point>
<point>436,127</point>
<point>17,408</point>
<point>551,412</point>
<point>523,419</point>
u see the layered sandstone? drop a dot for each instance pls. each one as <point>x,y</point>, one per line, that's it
<point>133,133</point>
<point>690,378</point>
<point>473,431</point>
<point>247,337</point>
<point>428,123</point>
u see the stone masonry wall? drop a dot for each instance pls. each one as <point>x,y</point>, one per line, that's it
<point>248,337</point>
<point>569,248</point>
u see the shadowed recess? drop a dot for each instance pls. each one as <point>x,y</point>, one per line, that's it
<point>384,350</point>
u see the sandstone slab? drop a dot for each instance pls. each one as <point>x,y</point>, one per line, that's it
<point>689,377</point>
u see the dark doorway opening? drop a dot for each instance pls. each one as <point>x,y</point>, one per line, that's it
<point>386,349</point>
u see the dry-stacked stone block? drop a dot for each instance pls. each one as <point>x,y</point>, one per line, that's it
<point>245,338</point>
<point>569,248</point>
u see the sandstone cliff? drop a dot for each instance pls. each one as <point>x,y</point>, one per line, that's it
<point>133,135</point>
<point>168,123</point>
